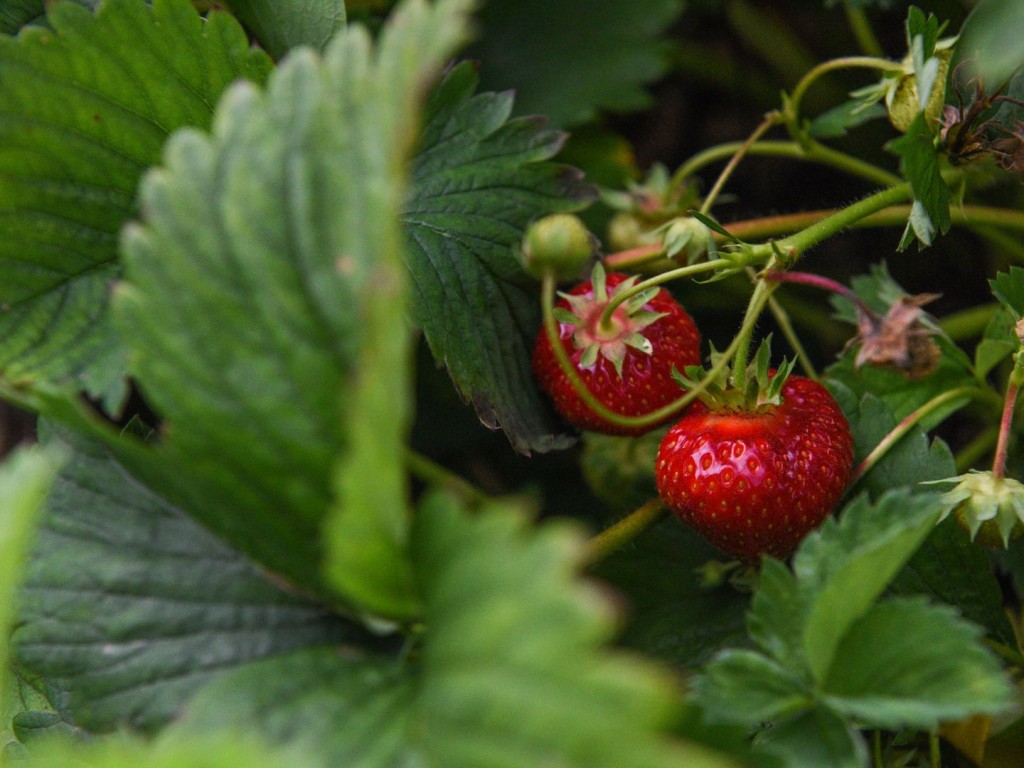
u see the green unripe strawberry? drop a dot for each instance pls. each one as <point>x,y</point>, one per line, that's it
<point>560,243</point>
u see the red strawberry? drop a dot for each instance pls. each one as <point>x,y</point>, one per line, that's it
<point>755,481</point>
<point>626,366</point>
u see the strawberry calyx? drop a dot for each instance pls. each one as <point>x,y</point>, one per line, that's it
<point>607,325</point>
<point>990,508</point>
<point>754,389</point>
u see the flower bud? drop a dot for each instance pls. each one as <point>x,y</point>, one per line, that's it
<point>559,243</point>
<point>901,98</point>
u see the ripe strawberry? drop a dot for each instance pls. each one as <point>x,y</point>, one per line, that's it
<point>755,480</point>
<point>626,366</point>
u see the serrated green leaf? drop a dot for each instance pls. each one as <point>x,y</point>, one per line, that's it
<point>574,58</point>
<point>839,120</point>
<point>951,569</point>
<point>997,343</point>
<point>912,460</point>
<point>1008,287</point>
<point>280,25</point>
<point>672,615</point>
<point>815,739</point>
<point>85,109</point>
<point>989,41</point>
<point>908,664</point>
<point>508,672</point>
<point>478,180</point>
<point>748,687</point>
<point>25,479</point>
<point>919,164</point>
<point>255,323</point>
<point>130,606</point>
<point>844,566</point>
<point>777,616</point>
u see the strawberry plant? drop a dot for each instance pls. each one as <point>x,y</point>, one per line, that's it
<point>368,347</point>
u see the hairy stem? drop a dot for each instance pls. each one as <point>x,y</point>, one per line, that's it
<point>758,300</point>
<point>908,423</point>
<point>810,151</point>
<point>861,28</point>
<point>786,326</point>
<point>845,62</point>
<point>431,472</point>
<point>1006,419</point>
<point>622,532</point>
<point>662,278</point>
<point>769,120</point>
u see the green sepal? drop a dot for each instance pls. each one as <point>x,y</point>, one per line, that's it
<point>640,343</point>
<point>566,317</point>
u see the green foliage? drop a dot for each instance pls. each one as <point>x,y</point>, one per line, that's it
<point>86,108</point>
<point>222,751</point>
<point>1008,287</point>
<point>509,670</point>
<point>297,161</point>
<point>25,478</point>
<point>157,606</point>
<point>477,183</point>
<point>988,40</point>
<point>830,656</point>
<point>839,121</point>
<point>252,254</point>
<point>280,26</point>
<point>19,13</point>
<point>574,57</point>
<point>674,614</point>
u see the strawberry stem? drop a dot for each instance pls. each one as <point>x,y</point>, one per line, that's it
<point>1006,420</point>
<point>665,277</point>
<point>909,422</point>
<point>433,473</point>
<point>758,300</point>
<point>622,532</point>
<point>580,387</point>
<point>771,119</point>
<point>819,281</point>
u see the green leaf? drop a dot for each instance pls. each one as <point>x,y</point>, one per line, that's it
<point>672,615</point>
<point>130,606</point>
<point>844,566</point>
<point>908,664</point>
<point>25,479</point>
<point>1008,287</point>
<point>911,460</point>
<point>997,343</point>
<point>508,672</point>
<point>85,109</point>
<point>815,739</point>
<point>748,687</point>
<point>919,164</point>
<point>777,616</point>
<point>989,41</point>
<point>574,58</point>
<point>260,325</point>
<point>280,25</point>
<point>212,751</point>
<point>478,180</point>
<point>951,569</point>
<point>839,120</point>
